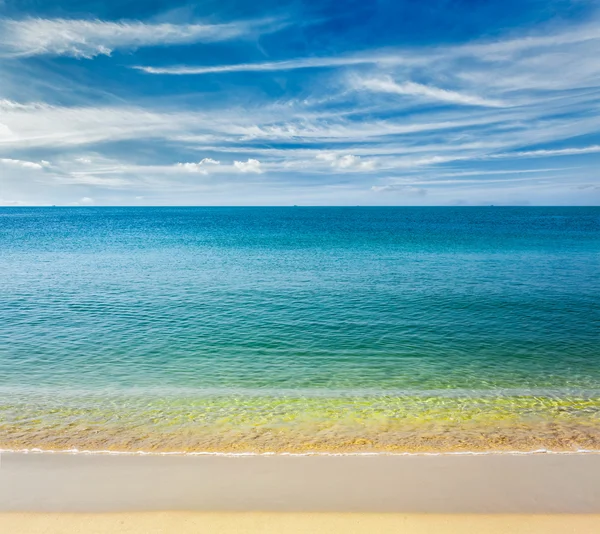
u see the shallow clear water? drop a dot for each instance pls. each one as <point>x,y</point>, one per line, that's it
<point>299,328</point>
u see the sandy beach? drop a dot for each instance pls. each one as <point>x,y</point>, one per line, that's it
<point>97,493</point>
<point>295,523</point>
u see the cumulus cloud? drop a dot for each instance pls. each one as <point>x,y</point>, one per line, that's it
<point>200,167</point>
<point>347,161</point>
<point>89,38</point>
<point>86,200</point>
<point>252,165</point>
<point>409,88</point>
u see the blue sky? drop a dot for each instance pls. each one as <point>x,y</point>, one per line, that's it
<point>234,102</point>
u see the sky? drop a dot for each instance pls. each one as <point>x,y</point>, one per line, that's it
<point>298,102</point>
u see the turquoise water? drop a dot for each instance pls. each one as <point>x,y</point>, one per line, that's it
<point>299,328</point>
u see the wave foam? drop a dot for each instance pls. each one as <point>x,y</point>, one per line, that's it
<point>294,454</point>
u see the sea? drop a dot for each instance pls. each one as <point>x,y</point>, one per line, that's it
<point>300,329</point>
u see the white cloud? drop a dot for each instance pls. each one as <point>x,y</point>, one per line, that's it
<point>387,85</point>
<point>326,127</point>
<point>505,49</point>
<point>484,172</point>
<point>24,164</point>
<point>552,152</point>
<point>198,167</point>
<point>89,38</point>
<point>540,40</point>
<point>252,165</point>
<point>40,124</point>
<point>93,180</point>
<point>86,200</point>
<point>434,160</point>
<point>346,161</point>
<point>10,105</point>
<point>302,63</point>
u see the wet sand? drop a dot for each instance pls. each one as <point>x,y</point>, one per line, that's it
<point>493,483</point>
<point>102,493</point>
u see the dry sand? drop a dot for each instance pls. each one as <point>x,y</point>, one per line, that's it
<point>295,523</point>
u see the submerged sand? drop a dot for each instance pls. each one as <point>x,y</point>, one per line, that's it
<point>272,424</point>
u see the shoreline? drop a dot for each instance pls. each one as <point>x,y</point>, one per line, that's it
<point>226,454</point>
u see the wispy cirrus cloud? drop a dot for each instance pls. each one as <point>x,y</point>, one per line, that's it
<point>40,124</point>
<point>88,38</point>
<point>574,151</point>
<point>414,123</point>
<point>273,66</point>
<point>502,49</point>
<point>409,88</point>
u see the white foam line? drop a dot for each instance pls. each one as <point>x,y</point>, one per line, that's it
<point>293,454</point>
